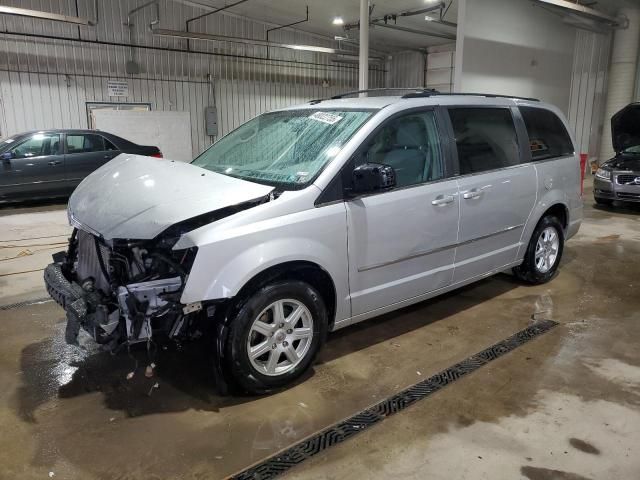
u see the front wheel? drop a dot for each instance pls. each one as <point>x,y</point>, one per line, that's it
<point>275,336</point>
<point>543,253</point>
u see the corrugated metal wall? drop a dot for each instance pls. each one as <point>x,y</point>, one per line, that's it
<point>46,82</point>
<point>589,89</point>
<point>407,69</point>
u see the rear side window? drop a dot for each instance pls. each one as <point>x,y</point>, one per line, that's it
<point>108,145</point>
<point>485,139</point>
<point>84,143</point>
<point>547,136</point>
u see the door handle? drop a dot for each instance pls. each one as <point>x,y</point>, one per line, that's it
<point>473,193</point>
<point>54,162</point>
<point>441,200</point>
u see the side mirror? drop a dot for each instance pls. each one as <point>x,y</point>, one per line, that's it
<point>371,177</point>
<point>6,156</point>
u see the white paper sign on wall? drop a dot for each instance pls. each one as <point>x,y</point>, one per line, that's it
<point>118,88</point>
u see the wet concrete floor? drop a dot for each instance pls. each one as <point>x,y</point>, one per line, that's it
<point>563,406</point>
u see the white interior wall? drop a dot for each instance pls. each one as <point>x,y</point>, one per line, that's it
<point>46,82</point>
<point>513,47</point>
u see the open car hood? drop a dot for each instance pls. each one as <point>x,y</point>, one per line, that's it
<point>138,197</point>
<point>625,127</point>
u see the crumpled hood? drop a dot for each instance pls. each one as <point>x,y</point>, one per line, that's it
<point>630,162</point>
<point>625,127</point>
<point>138,197</point>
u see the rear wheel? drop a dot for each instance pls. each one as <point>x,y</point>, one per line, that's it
<point>543,253</point>
<point>275,336</point>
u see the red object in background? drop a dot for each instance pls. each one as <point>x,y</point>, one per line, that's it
<point>583,165</point>
<point>159,155</point>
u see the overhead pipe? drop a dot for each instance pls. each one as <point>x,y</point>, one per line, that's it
<point>298,22</point>
<point>279,27</point>
<point>383,21</point>
<point>210,12</point>
<point>142,7</point>
<point>413,30</point>
<point>160,49</point>
<point>247,41</point>
<point>440,20</point>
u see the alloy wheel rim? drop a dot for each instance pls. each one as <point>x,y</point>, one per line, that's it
<point>547,248</point>
<point>280,337</point>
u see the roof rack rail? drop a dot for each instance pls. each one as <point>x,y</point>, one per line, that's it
<point>421,92</point>
<point>416,90</point>
<point>394,89</point>
<point>488,95</point>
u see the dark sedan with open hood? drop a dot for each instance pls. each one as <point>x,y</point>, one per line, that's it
<point>619,178</point>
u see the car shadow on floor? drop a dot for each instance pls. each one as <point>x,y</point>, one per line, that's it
<point>391,325</point>
<point>183,378</point>
<point>619,208</point>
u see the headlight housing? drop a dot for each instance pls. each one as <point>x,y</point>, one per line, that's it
<point>603,174</point>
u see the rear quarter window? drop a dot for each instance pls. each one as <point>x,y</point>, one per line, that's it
<point>548,137</point>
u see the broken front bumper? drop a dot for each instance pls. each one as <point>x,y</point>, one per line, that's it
<point>138,309</point>
<point>70,296</point>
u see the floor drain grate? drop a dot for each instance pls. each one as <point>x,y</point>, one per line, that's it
<point>26,303</point>
<point>298,453</point>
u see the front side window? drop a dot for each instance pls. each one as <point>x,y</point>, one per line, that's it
<point>485,139</point>
<point>548,137</point>
<point>286,149</point>
<point>410,144</point>
<point>38,145</point>
<point>84,143</point>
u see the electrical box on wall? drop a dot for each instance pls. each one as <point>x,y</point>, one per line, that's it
<point>211,121</point>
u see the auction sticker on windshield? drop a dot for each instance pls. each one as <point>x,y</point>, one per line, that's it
<point>326,117</point>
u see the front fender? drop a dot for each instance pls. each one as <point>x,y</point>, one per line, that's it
<point>318,235</point>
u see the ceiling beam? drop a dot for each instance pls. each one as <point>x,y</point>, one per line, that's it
<point>581,10</point>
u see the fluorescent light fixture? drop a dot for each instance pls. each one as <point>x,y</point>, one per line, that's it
<point>23,12</point>
<point>309,48</point>
<point>338,21</point>
<point>339,38</point>
<point>428,18</point>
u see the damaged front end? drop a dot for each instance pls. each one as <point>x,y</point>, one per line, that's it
<point>122,291</point>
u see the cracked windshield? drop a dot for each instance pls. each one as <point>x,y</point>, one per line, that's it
<point>284,149</point>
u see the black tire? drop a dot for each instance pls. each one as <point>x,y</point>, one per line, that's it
<point>603,201</point>
<point>237,362</point>
<point>528,271</point>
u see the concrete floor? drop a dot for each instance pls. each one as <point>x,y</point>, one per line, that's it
<point>564,406</point>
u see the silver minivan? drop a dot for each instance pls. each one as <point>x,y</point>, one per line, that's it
<point>312,218</point>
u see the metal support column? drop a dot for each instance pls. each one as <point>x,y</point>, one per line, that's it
<point>363,70</point>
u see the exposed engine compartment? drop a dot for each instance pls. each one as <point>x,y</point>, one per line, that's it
<point>124,291</point>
